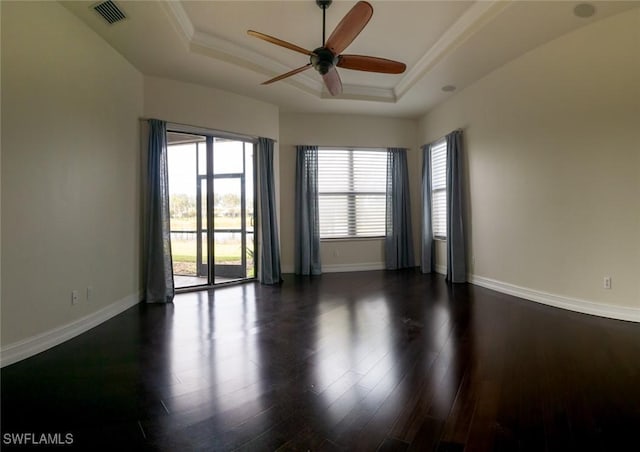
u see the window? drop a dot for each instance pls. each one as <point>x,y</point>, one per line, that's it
<point>439,189</point>
<point>352,192</point>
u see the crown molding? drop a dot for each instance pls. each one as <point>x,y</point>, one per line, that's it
<point>215,47</point>
<point>476,17</point>
<point>360,92</point>
<point>180,18</point>
<point>473,19</point>
<point>222,49</point>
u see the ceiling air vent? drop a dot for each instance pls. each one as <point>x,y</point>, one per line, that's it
<point>109,12</point>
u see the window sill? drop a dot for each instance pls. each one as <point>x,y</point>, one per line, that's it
<point>352,239</point>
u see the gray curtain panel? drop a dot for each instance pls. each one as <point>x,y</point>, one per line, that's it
<point>427,248</point>
<point>159,286</point>
<point>270,251</point>
<point>399,237</point>
<point>456,257</point>
<point>307,223</point>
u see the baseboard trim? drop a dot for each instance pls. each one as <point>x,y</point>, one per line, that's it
<point>359,267</point>
<point>339,268</point>
<point>26,348</point>
<point>558,301</point>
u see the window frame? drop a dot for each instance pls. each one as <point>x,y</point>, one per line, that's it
<point>435,145</point>
<point>352,194</point>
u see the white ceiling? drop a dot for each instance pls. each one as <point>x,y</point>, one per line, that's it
<point>441,42</point>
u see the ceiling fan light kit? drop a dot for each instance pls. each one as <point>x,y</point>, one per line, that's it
<point>326,58</point>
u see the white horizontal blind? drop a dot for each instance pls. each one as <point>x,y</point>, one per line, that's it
<point>352,192</point>
<point>439,188</point>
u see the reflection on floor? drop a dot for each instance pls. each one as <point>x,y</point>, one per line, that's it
<point>364,361</point>
<point>181,281</point>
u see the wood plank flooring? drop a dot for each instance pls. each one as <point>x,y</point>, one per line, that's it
<point>370,361</point>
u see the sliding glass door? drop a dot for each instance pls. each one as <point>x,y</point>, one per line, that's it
<point>211,185</point>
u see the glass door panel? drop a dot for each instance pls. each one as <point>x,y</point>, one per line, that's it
<point>228,228</point>
<point>228,156</point>
<point>182,157</point>
<point>249,211</point>
<point>203,236</point>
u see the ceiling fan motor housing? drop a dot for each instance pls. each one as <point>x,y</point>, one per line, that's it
<point>323,59</point>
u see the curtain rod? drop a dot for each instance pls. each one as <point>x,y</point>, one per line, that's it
<point>353,148</point>
<point>195,129</point>
<point>442,137</point>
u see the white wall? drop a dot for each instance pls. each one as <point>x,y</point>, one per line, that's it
<point>553,158</point>
<point>211,108</point>
<point>341,130</point>
<point>70,171</point>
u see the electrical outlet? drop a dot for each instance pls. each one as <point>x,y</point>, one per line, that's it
<point>607,282</point>
<point>74,297</point>
<point>89,293</point>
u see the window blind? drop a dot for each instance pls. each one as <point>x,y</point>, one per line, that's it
<point>439,189</point>
<point>352,192</point>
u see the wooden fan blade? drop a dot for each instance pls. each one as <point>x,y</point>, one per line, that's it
<point>332,81</point>
<point>288,74</point>
<point>371,64</point>
<point>349,27</point>
<point>279,42</point>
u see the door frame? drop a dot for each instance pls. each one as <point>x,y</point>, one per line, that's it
<point>206,237</point>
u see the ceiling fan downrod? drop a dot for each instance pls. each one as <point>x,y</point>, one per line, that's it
<point>323,4</point>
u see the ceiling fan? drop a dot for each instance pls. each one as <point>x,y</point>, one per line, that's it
<point>325,59</point>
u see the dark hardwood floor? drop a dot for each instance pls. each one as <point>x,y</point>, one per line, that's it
<point>387,361</point>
